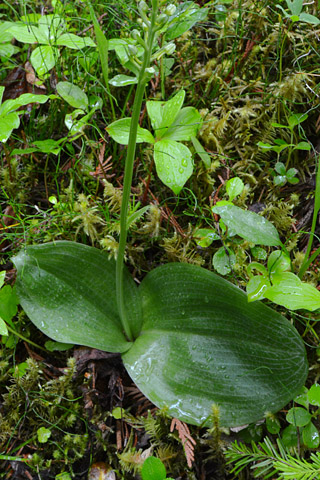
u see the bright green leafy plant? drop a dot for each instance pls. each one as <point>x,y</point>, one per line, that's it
<point>296,14</point>
<point>172,124</point>
<point>183,323</point>
<point>49,32</point>
<point>153,469</point>
<point>285,175</point>
<point>9,112</point>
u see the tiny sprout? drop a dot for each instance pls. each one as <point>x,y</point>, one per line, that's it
<point>170,10</point>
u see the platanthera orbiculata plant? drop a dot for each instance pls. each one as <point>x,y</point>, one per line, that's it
<point>188,338</point>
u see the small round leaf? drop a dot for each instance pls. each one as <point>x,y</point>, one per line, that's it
<point>298,416</point>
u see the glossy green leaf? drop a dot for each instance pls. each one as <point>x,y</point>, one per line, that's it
<point>163,114</point>
<point>68,291</point>
<point>153,469</point>
<point>123,80</point>
<point>185,126</point>
<point>2,277</point>
<point>290,292</point>
<point>3,327</point>
<point>280,168</point>
<point>184,18</point>
<point>73,95</point>
<point>256,287</point>
<point>302,146</point>
<point>307,18</point>
<point>311,436</point>
<point>43,59</point>
<point>120,129</point>
<point>27,34</point>
<point>273,424</point>
<point>278,262</point>
<point>302,397</point>
<point>43,434</point>
<point>205,236</point>
<point>7,124</point>
<point>12,105</point>
<point>73,41</point>
<point>8,303</point>
<point>248,225</point>
<point>298,416</point>
<point>296,119</point>
<point>203,344</point>
<point>314,395</point>
<point>290,436</point>
<point>234,187</point>
<point>223,260</point>
<point>173,163</point>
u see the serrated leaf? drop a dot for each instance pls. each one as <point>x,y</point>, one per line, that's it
<point>248,225</point>
<point>223,260</point>
<point>290,292</point>
<point>73,95</point>
<point>120,129</point>
<point>173,162</point>
<point>185,126</point>
<point>123,80</point>
<point>43,59</point>
<point>68,291</point>
<point>197,325</point>
<point>73,41</point>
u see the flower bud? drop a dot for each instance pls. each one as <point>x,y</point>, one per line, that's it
<point>135,34</point>
<point>161,20</point>
<point>170,9</point>
<point>169,48</point>
<point>132,49</point>
<point>143,6</point>
<point>150,70</point>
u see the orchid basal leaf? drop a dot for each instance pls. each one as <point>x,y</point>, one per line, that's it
<point>248,225</point>
<point>69,292</point>
<point>173,163</point>
<point>202,343</point>
<point>119,131</point>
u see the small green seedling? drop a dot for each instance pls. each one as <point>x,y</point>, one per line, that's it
<point>153,469</point>
<point>8,305</point>
<point>285,175</point>
<point>296,14</point>
<point>280,285</point>
<point>172,124</point>
<point>302,417</point>
<point>49,32</point>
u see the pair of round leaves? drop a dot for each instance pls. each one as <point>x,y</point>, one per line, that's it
<point>198,341</point>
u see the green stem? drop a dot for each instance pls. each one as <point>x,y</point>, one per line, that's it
<point>25,339</point>
<point>307,261</point>
<point>128,172</point>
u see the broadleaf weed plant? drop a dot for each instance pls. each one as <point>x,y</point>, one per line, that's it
<point>183,322</point>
